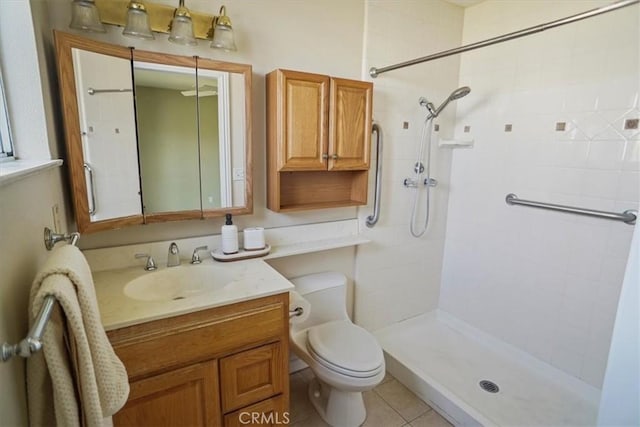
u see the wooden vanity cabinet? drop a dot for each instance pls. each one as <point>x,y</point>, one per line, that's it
<point>208,368</point>
<point>318,141</point>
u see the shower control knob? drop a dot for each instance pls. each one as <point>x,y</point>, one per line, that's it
<point>430,182</point>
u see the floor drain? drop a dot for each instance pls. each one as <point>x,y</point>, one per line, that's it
<point>489,386</point>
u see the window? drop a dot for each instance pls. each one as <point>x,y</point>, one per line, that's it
<point>6,150</point>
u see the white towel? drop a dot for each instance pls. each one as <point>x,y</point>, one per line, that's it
<point>77,379</point>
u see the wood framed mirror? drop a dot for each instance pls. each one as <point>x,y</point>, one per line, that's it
<point>155,138</point>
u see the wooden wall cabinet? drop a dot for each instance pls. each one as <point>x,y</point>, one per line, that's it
<point>318,141</point>
<point>208,368</point>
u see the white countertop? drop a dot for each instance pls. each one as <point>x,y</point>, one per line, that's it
<point>253,278</point>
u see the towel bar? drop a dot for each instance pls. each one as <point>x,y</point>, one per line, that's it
<point>33,341</point>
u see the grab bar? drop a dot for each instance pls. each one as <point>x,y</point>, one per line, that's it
<point>89,169</point>
<point>373,219</point>
<point>629,216</point>
<point>33,341</point>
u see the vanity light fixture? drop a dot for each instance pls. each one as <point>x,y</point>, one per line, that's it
<point>142,19</point>
<point>137,21</point>
<point>222,32</point>
<point>85,16</point>
<point>182,27</point>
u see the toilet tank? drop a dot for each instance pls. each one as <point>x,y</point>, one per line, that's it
<point>327,295</point>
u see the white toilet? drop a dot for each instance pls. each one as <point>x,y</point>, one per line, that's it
<point>345,358</point>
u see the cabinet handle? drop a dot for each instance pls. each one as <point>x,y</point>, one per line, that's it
<point>334,156</point>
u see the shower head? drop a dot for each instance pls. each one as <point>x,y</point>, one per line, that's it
<point>459,93</point>
<point>456,94</point>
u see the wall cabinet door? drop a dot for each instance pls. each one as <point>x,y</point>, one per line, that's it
<point>350,124</point>
<point>251,376</point>
<point>185,396</point>
<point>302,102</point>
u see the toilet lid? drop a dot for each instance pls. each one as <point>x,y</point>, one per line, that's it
<point>345,345</point>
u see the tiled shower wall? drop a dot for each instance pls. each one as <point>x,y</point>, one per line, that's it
<point>544,281</point>
<point>397,275</point>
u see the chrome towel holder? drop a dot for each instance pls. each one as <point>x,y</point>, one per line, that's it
<point>32,343</point>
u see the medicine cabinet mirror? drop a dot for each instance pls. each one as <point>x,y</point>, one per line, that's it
<point>153,137</point>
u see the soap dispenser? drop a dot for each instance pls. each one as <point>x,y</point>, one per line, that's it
<point>229,236</point>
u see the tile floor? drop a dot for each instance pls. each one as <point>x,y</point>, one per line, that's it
<point>390,404</point>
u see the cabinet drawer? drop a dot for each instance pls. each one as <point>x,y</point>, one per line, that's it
<point>270,412</point>
<point>199,336</point>
<point>251,376</point>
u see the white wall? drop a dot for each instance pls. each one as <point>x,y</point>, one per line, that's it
<point>22,220</point>
<point>398,276</point>
<point>322,37</point>
<point>25,205</point>
<point>544,281</point>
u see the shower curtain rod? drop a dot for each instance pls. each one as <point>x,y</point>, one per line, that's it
<point>375,72</point>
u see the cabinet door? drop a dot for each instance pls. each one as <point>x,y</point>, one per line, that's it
<point>251,376</point>
<point>186,396</point>
<point>270,412</point>
<point>350,124</point>
<point>303,100</point>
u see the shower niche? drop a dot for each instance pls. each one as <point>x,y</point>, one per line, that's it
<point>318,141</point>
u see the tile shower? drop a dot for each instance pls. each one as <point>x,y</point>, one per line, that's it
<point>553,120</point>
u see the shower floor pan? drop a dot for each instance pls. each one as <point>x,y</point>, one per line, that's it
<point>443,360</point>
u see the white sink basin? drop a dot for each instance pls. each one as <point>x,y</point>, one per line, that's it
<point>175,283</point>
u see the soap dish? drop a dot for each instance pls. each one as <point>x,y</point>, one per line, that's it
<point>218,255</point>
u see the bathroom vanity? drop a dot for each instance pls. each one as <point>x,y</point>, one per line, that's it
<point>207,367</point>
<point>208,358</point>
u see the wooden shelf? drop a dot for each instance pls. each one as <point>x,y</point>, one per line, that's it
<point>319,205</point>
<point>321,189</point>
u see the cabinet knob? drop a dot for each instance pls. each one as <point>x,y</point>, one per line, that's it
<point>325,156</point>
<point>334,156</point>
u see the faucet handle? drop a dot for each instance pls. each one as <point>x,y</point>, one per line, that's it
<point>151,264</point>
<point>195,258</point>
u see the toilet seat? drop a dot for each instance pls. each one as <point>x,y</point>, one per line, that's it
<point>345,348</point>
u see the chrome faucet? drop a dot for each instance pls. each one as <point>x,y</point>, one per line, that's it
<point>174,255</point>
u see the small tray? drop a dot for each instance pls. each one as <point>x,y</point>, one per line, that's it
<point>218,255</point>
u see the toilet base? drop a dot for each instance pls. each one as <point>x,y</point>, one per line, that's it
<point>336,407</point>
